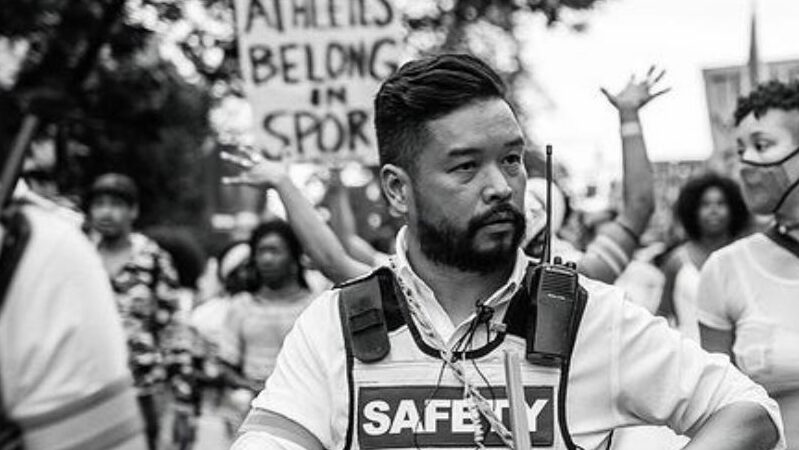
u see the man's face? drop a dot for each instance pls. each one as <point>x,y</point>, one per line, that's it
<point>112,216</point>
<point>273,261</point>
<point>764,140</point>
<point>714,213</point>
<point>468,188</point>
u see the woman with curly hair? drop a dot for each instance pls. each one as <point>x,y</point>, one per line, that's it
<point>713,213</point>
<point>750,289</point>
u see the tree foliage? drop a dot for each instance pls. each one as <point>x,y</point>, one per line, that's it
<point>127,110</point>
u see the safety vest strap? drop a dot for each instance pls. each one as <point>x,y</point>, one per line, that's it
<point>370,308</point>
<point>109,418</point>
<point>364,321</point>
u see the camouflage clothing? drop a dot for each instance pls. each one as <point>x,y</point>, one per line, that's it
<point>160,345</point>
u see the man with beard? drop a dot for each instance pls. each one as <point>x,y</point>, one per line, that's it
<point>749,290</point>
<point>411,356</point>
<point>258,321</point>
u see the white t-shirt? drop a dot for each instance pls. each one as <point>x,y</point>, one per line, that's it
<point>752,288</point>
<point>254,330</point>
<point>62,344</point>
<point>628,368</point>
<point>61,337</point>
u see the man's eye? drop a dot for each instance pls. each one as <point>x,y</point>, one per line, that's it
<point>465,167</point>
<point>513,159</point>
<point>762,145</point>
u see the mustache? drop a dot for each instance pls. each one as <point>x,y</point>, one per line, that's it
<point>504,212</point>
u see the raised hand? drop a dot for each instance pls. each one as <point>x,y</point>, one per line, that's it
<point>256,170</point>
<point>636,93</point>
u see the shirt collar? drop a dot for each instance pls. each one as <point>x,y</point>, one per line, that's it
<point>421,291</point>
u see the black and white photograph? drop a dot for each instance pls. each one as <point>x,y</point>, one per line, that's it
<point>399,224</point>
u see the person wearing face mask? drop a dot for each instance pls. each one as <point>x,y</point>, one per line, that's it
<point>748,297</point>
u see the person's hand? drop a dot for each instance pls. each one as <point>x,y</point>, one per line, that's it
<point>334,182</point>
<point>256,171</point>
<point>637,93</point>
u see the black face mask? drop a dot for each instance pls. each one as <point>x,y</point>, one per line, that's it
<point>768,184</point>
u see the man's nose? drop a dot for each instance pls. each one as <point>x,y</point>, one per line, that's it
<point>497,187</point>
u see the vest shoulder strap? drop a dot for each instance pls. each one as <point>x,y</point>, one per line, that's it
<point>363,318</point>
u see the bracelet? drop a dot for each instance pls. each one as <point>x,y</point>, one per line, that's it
<point>630,129</point>
<point>627,229</point>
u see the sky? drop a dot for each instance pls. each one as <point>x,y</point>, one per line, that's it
<point>626,36</point>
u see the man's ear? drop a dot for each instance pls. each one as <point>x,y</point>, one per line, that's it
<point>396,187</point>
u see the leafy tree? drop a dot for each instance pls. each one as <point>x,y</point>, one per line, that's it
<point>127,110</point>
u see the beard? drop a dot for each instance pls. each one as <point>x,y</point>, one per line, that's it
<point>443,243</point>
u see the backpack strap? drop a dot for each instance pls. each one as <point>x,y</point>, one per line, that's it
<point>363,319</point>
<point>17,234</point>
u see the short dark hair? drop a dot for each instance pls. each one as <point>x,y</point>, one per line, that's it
<point>423,90</point>
<point>771,95</point>
<point>117,185</point>
<point>284,230</point>
<point>686,209</point>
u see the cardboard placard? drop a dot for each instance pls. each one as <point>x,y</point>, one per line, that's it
<point>311,69</point>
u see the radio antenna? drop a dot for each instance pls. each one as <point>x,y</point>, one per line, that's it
<point>548,241</point>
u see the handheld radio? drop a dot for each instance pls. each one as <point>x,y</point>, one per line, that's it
<point>555,288</point>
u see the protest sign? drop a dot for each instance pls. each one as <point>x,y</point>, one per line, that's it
<point>311,69</point>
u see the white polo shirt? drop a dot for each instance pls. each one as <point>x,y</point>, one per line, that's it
<point>628,368</point>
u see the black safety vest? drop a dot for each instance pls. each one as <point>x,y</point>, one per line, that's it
<point>402,397</point>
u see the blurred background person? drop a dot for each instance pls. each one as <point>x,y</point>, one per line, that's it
<point>64,377</point>
<point>259,319</point>
<point>233,273</point>
<point>748,305</point>
<point>713,214</point>
<point>189,260</point>
<point>219,421</point>
<point>145,286</point>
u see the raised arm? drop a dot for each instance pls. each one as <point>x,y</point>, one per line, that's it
<point>342,221</point>
<point>637,178</point>
<point>610,252</point>
<point>318,240</point>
